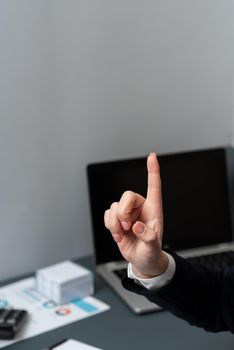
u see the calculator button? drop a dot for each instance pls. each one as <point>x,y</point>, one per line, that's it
<point>2,312</point>
<point>13,317</point>
<point>4,315</point>
<point>10,321</point>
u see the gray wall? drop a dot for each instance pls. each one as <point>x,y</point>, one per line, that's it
<point>91,80</point>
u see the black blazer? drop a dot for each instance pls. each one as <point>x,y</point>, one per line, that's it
<point>199,295</point>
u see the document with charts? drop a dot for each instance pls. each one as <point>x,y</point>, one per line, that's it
<point>44,315</point>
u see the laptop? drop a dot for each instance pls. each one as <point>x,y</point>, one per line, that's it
<point>197,204</point>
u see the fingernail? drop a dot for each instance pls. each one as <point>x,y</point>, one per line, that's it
<point>139,228</point>
<point>125,225</point>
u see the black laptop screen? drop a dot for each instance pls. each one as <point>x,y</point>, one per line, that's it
<point>195,198</point>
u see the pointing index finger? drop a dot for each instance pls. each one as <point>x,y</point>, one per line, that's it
<point>154,180</point>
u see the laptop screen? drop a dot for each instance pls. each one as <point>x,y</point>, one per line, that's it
<point>195,199</point>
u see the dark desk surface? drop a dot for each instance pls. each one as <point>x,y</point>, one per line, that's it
<point>118,328</point>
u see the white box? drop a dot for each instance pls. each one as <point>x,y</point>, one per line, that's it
<point>64,282</point>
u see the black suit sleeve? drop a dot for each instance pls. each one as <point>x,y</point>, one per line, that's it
<point>199,295</point>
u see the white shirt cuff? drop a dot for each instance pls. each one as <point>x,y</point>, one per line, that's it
<point>158,281</point>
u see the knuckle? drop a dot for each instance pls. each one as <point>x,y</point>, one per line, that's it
<point>128,194</point>
<point>114,205</point>
<point>113,224</point>
<point>106,215</point>
<point>121,212</point>
<point>126,201</point>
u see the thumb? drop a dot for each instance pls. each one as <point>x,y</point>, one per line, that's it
<point>144,232</point>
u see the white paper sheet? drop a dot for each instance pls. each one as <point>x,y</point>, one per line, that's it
<point>75,345</point>
<point>44,315</point>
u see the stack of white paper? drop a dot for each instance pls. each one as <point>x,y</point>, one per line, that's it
<point>64,282</point>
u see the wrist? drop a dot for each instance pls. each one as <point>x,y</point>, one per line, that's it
<point>159,267</point>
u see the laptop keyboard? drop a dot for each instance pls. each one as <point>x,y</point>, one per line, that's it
<point>216,261</point>
<point>120,273</point>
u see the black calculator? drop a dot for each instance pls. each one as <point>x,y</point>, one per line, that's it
<point>11,322</point>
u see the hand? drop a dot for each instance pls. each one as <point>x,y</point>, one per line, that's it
<point>136,224</point>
